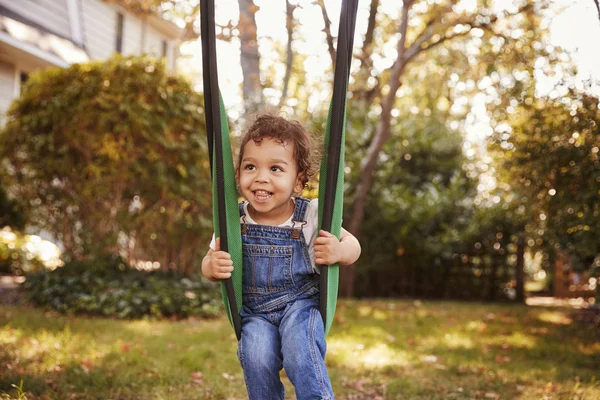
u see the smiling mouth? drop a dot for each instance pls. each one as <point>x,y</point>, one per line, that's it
<point>262,195</point>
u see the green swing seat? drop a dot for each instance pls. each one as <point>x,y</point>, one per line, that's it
<point>331,187</point>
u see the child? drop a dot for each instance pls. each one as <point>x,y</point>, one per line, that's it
<point>281,322</point>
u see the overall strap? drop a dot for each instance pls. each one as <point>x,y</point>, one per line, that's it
<point>299,217</point>
<point>301,209</point>
<point>242,216</point>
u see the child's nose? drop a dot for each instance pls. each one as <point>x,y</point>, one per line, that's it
<point>261,176</point>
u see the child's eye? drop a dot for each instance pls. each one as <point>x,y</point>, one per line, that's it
<point>276,168</point>
<point>249,167</point>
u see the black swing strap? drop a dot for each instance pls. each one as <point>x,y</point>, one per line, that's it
<point>331,184</point>
<point>225,209</point>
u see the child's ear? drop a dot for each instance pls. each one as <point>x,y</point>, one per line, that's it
<point>299,186</point>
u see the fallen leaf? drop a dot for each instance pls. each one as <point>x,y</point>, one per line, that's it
<point>125,348</point>
<point>86,365</point>
<point>197,377</point>
<point>502,359</point>
<point>550,388</point>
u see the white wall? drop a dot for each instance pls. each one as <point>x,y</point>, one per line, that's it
<point>154,42</point>
<point>7,87</point>
<point>132,35</point>
<point>51,14</point>
<point>100,28</point>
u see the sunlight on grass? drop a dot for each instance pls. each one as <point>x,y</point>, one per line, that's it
<point>355,354</point>
<point>369,311</point>
<point>555,317</point>
<point>452,340</point>
<point>9,335</point>
<point>478,326</point>
<point>377,349</point>
<point>516,339</point>
<point>50,351</point>
<point>458,340</point>
<point>145,327</point>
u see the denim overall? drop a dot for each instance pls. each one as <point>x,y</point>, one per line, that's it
<point>281,322</point>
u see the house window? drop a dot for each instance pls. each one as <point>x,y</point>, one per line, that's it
<point>165,48</point>
<point>120,22</point>
<point>24,77</point>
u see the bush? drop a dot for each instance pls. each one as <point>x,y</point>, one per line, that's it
<point>108,287</point>
<point>106,152</point>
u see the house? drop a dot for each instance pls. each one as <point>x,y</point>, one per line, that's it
<point>35,34</point>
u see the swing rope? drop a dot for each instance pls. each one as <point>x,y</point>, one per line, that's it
<point>331,185</point>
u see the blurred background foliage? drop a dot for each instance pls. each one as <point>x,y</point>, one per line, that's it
<point>110,159</point>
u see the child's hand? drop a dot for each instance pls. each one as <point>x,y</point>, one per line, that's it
<point>219,265</point>
<point>328,249</point>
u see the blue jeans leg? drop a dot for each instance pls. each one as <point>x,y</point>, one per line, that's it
<point>259,351</point>
<point>303,348</point>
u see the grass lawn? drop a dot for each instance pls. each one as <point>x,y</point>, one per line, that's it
<point>400,349</point>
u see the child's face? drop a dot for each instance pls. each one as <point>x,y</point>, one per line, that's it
<point>268,177</point>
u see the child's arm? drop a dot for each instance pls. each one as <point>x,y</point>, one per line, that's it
<point>217,265</point>
<point>329,250</point>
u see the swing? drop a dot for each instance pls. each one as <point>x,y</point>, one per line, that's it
<point>331,185</point>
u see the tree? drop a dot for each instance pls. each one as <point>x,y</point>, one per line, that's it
<point>110,157</point>
<point>11,213</point>
<point>548,151</point>
<point>480,35</point>
<point>422,27</point>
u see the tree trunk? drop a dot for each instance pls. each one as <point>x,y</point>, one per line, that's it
<point>367,168</point>
<point>289,25</point>
<point>250,58</point>
<point>520,273</point>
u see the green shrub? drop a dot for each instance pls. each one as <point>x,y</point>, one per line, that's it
<point>109,150</point>
<point>108,287</point>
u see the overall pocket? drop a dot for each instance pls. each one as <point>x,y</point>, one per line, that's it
<point>267,268</point>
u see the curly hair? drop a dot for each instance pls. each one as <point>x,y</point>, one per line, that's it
<point>285,131</point>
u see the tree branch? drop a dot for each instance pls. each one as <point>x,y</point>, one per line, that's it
<point>399,64</point>
<point>597,8</point>
<point>327,31</point>
<point>366,47</point>
<point>428,31</point>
